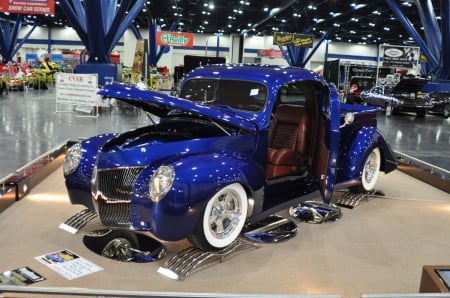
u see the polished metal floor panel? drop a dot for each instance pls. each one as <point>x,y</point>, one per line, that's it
<point>31,124</point>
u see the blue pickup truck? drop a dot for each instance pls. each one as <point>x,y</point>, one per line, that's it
<point>239,143</point>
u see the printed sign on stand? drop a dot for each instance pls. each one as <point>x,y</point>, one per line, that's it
<point>79,90</point>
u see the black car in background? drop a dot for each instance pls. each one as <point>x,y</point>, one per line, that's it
<point>404,97</point>
<point>440,101</point>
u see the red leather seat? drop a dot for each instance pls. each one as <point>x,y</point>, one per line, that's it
<point>287,141</point>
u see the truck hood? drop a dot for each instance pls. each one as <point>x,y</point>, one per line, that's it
<point>161,104</point>
<point>413,85</point>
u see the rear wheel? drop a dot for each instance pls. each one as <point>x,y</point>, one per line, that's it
<point>388,109</point>
<point>371,170</point>
<point>446,110</point>
<point>223,219</point>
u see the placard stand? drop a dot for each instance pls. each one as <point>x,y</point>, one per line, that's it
<point>79,91</point>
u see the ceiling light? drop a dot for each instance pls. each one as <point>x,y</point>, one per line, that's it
<point>274,11</point>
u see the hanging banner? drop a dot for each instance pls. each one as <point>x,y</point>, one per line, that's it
<point>139,70</point>
<point>165,38</point>
<point>292,39</point>
<point>269,53</point>
<point>28,6</point>
<point>399,56</point>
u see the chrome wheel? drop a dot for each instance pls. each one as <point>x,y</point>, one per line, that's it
<point>223,219</point>
<point>371,170</point>
<point>225,216</point>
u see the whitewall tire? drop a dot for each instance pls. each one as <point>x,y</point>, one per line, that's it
<point>371,169</point>
<point>223,218</point>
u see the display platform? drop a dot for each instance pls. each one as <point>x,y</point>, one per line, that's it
<point>378,247</point>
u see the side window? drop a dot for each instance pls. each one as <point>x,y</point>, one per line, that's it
<point>291,94</point>
<point>378,90</point>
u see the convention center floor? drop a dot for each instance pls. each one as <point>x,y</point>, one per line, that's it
<point>378,247</point>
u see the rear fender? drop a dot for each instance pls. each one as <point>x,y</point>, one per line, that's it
<point>365,141</point>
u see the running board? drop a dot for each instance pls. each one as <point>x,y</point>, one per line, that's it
<point>351,199</point>
<point>191,258</point>
<point>86,220</point>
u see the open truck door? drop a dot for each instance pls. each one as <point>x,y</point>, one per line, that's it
<point>327,142</point>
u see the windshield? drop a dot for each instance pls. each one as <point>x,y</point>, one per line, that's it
<point>241,95</point>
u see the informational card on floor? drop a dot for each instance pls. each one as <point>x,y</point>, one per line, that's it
<point>68,264</point>
<point>20,277</point>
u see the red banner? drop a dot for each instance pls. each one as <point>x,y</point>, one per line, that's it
<point>270,53</point>
<point>165,38</point>
<point>28,6</point>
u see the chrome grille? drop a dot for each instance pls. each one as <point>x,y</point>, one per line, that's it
<point>117,184</point>
<point>112,191</point>
<point>115,214</point>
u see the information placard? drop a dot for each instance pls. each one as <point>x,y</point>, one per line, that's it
<point>20,277</point>
<point>77,89</point>
<point>68,264</point>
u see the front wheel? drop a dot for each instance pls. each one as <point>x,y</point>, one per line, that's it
<point>223,219</point>
<point>371,170</point>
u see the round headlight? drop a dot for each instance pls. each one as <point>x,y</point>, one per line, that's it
<point>72,159</point>
<point>161,182</point>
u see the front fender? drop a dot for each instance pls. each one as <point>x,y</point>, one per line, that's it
<point>365,141</point>
<point>197,179</point>
<point>78,183</point>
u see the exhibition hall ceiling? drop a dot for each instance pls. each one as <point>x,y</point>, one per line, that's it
<point>354,21</point>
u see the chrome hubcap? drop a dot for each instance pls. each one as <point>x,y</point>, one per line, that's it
<point>225,214</point>
<point>370,168</point>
